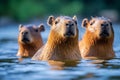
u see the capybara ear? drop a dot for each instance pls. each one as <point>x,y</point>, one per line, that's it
<point>110,22</point>
<point>50,20</point>
<point>20,26</point>
<point>85,23</point>
<point>41,27</point>
<point>75,19</point>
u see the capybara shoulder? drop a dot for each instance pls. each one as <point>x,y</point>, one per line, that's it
<point>62,43</point>
<point>97,42</point>
<point>29,39</point>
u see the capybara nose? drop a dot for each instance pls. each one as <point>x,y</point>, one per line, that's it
<point>104,24</point>
<point>104,28</point>
<point>69,26</point>
<point>25,37</point>
<point>24,33</point>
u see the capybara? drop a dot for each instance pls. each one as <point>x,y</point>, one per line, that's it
<point>97,42</point>
<point>62,43</point>
<point>29,39</point>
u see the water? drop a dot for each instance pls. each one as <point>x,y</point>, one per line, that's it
<point>14,68</point>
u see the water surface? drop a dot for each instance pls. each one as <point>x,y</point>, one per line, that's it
<point>13,68</point>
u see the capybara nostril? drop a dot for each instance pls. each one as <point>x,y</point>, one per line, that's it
<point>24,33</point>
<point>67,24</point>
<point>104,24</point>
<point>72,24</point>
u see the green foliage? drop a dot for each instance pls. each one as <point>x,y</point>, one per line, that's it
<point>72,8</point>
<point>26,9</point>
<point>23,10</point>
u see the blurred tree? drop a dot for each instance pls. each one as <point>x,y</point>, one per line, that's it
<point>72,8</point>
<point>4,7</point>
<point>92,7</point>
<point>23,10</point>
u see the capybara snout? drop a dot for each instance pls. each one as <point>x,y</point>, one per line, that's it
<point>104,24</point>
<point>104,33</point>
<point>105,29</point>
<point>70,29</point>
<point>25,37</point>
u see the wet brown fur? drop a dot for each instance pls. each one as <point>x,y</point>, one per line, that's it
<point>92,47</point>
<point>29,49</point>
<point>59,48</point>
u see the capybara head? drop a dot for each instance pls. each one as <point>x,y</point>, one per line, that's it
<point>28,33</point>
<point>100,26</point>
<point>64,25</point>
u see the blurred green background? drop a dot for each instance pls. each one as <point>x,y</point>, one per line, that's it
<point>25,10</point>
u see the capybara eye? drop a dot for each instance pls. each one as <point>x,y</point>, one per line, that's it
<point>26,32</point>
<point>92,23</point>
<point>22,32</point>
<point>72,24</point>
<point>111,23</point>
<point>36,30</point>
<point>106,24</point>
<point>67,24</point>
<point>102,24</point>
<point>56,22</point>
<point>75,22</point>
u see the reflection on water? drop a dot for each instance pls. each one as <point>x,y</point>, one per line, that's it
<point>60,65</point>
<point>14,68</point>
